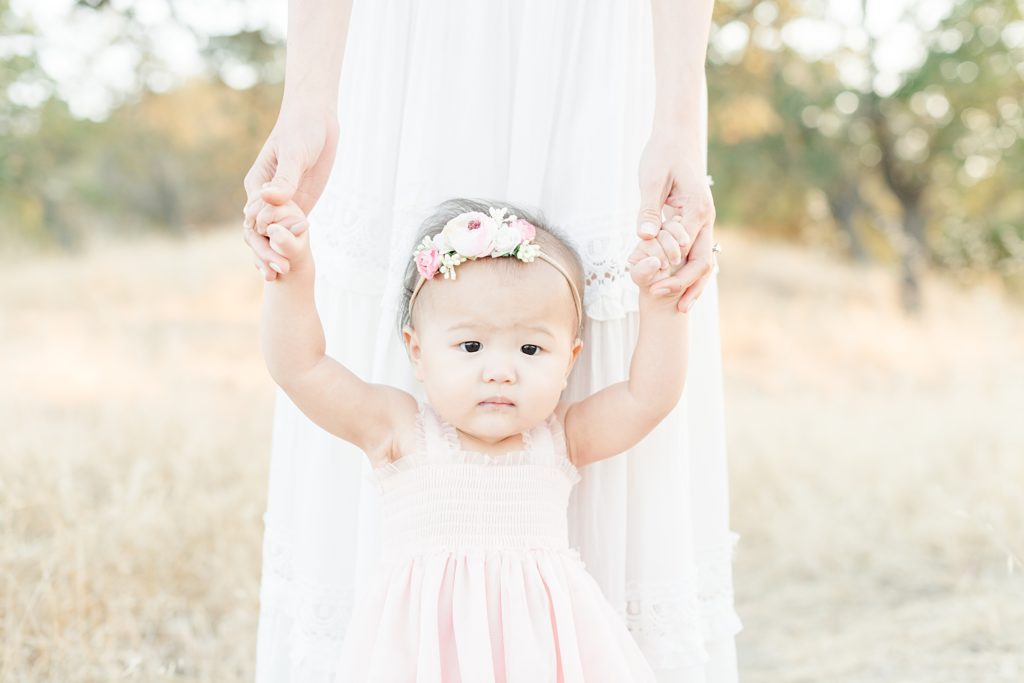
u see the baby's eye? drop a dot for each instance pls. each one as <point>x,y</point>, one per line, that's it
<point>470,346</point>
<point>530,349</point>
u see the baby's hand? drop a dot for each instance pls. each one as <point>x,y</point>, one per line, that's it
<point>295,248</point>
<point>660,257</point>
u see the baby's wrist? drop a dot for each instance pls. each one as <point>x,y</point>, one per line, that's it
<point>658,300</point>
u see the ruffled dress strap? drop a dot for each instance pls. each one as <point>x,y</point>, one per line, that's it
<point>435,438</point>
<point>549,438</point>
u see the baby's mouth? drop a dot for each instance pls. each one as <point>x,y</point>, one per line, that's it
<point>496,401</point>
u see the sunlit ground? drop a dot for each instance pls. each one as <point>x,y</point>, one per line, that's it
<point>876,466</point>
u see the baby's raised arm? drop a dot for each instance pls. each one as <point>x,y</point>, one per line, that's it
<point>616,418</point>
<point>294,349</point>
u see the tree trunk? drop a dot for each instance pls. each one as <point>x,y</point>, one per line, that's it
<point>844,201</point>
<point>912,257</point>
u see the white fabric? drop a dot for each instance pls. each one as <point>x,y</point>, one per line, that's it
<point>546,105</point>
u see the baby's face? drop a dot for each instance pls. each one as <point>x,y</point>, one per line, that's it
<point>494,348</point>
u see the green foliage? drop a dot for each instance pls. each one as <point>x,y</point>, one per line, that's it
<point>942,149</point>
<point>935,160</point>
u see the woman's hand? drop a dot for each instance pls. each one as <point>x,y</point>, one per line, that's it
<point>671,185</point>
<point>294,164</point>
<point>654,260</point>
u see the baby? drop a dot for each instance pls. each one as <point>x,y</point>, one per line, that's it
<point>493,341</point>
<point>476,580</point>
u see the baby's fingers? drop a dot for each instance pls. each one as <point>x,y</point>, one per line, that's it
<point>286,244</point>
<point>680,281</point>
<point>645,271</point>
<point>674,226</point>
<point>288,216</point>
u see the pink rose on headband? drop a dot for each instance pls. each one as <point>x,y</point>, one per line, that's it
<point>471,234</point>
<point>428,261</point>
<point>526,229</point>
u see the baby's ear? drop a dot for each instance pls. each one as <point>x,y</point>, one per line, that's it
<point>412,347</point>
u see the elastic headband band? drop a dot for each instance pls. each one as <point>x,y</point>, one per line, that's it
<point>543,257</point>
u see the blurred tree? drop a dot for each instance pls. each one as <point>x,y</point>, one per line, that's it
<point>892,160</point>
<point>162,160</point>
<point>33,198</point>
<point>810,138</point>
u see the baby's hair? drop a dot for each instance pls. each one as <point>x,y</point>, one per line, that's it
<point>551,241</point>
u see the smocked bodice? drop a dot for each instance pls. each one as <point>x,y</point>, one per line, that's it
<point>441,498</point>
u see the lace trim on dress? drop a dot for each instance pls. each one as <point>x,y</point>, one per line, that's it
<point>316,614</point>
<point>674,620</point>
<point>352,236</point>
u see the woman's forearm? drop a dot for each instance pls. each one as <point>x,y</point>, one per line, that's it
<point>681,29</point>
<point>317,32</point>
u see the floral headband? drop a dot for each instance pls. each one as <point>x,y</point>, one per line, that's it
<point>472,235</point>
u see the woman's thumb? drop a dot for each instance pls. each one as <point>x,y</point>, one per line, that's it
<point>649,218</point>
<point>282,186</point>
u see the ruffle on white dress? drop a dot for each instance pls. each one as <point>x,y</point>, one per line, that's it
<point>547,105</point>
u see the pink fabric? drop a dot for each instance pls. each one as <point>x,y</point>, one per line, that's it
<point>477,582</point>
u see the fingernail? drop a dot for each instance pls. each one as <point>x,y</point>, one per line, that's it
<point>648,228</point>
<point>276,267</point>
<point>659,291</point>
<point>263,271</point>
<point>298,226</point>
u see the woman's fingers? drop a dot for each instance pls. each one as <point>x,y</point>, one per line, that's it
<point>691,294</point>
<point>249,212</point>
<point>706,258</point>
<point>269,261</point>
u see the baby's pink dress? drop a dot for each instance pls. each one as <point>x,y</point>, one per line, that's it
<point>477,583</point>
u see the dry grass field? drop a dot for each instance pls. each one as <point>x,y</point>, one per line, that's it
<point>876,462</point>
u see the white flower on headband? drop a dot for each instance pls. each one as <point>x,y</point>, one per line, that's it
<point>472,235</point>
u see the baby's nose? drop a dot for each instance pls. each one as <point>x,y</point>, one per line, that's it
<point>499,372</point>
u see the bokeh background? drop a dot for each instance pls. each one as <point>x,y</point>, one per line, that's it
<point>869,185</point>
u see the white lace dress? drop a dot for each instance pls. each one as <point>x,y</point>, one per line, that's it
<point>548,105</point>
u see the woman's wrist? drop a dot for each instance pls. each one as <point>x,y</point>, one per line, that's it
<point>677,139</point>
<point>309,99</point>
<point>315,48</point>
<point>677,111</point>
